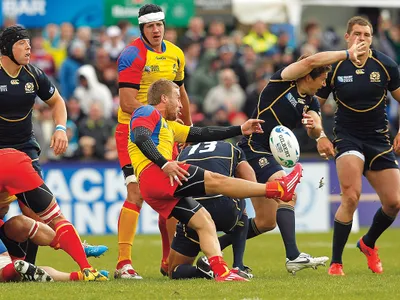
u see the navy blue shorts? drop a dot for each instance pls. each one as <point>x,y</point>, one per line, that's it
<point>262,162</point>
<point>30,148</point>
<point>225,211</point>
<point>376,149</point>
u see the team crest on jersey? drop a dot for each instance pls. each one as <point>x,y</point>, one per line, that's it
<point>29,87</point>
<point>175,68</point>
<point>360,72</point>
<point>263,161</point>
<point>14,81</point>
<point>375,77</point>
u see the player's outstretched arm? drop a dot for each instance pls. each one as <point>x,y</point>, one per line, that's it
<point>303,67</point>
<point>217,133</point>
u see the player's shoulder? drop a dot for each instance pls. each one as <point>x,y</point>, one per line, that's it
<point>33,70</point>
<point>132,52</point>
<point>145,111</point>
<point>172,47</point>
<point>383,58</point>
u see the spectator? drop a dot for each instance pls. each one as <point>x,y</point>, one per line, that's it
<point>227,93</point>
<point>74,111</point>
<point>227,55</point>
<point>192,57</point>
<point>171,35</point>
<point>114,45</point>
<point>260,38</point>
<point>195,32</point>
<point>90,91</point>
<point>41,58</point>
<point>96,127</point>
<point>69,68</point>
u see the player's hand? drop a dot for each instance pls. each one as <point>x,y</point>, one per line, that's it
<point>251,126</point>
<point>396,144</point>
<point>175,172</point>
<point>59,142</point>
<point>325,148</point>
<point>308,121</point>
<point>357,50</point>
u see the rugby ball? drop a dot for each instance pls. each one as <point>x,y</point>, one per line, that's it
<point>284,146</point>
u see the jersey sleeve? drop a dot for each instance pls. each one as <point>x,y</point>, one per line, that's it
<point>145,116</point>
<point>394,74</point>
<point>180,131</point>
<point>130,67</point>
<point>315,106</point>
<point>240,154</point>
<point>180,74</point>
<point>46,88</point>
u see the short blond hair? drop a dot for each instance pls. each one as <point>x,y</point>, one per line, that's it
<point>359,21</point>
<point>158,88</point>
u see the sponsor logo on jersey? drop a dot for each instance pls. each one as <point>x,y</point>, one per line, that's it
<point>263,161</point>
<point>360,72</point>
<point>14,81</point>
<point>29,87</point>
<point>152,68</point>
<point>345,79</point>
<point>375,77</point>
<point>291,99</point>
<point>3,88</point>
<point>161,58</point>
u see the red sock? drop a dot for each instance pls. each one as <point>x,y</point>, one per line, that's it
<point>162,225</point>
<point>75,276</point>
<point>68,239</point>
<point>218,265</point>
<point>273,189</point>
<point>8,273</point>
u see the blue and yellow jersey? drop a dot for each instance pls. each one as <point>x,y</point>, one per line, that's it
<point>164,135</point>
<point>360,93</point>
<point>139,66</point>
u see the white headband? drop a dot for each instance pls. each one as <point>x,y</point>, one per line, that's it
<point>151,17</point>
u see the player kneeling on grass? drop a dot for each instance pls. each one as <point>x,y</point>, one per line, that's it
<point>227,213</point>
<point>12,268</point>
<point>167,185</point>
<point>17,177</point>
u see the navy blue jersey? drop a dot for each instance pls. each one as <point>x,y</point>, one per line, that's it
<point>360,93</point>
<point>17,96</point>
<point>217,156</point>
<point>280,103</point>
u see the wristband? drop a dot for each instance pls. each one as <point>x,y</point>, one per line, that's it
<point>347,54</point>
<point>61,127</point>
<point>322,135</point>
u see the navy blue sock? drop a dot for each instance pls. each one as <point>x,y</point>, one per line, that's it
<point>341,233</point>
<point>239,241</point>
<point>187,271</point>
<point>380,223</point>
<point>252,231</point>
<point>285,219</point>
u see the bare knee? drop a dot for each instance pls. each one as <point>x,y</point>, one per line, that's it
<point>134,194</point>
<point>18,227</point>
<point>392,208</point>
<point>350,198</point>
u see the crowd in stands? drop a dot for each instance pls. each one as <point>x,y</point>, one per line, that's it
<point>224,75</point>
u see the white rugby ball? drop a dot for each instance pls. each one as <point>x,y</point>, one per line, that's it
<point>284,146</point>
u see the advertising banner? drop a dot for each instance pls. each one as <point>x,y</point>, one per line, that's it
<point>39,13</point>
<point>177,12</point>
<point>91,195</point>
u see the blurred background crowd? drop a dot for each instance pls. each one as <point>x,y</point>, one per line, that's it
<point>226,69</point>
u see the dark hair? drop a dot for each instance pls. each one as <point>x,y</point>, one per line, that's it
<point>358,20</point>
<point>148,9</point>
<point>318,71</point>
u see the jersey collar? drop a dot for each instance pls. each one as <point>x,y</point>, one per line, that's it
<point>163,46</point>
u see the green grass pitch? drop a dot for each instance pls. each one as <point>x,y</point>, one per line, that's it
<point>265,254</point>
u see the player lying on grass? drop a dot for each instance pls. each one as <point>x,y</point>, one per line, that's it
<point>12,266</point>
<point>17,177</point>
<point>153,131</point>
<point>227,213</point>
